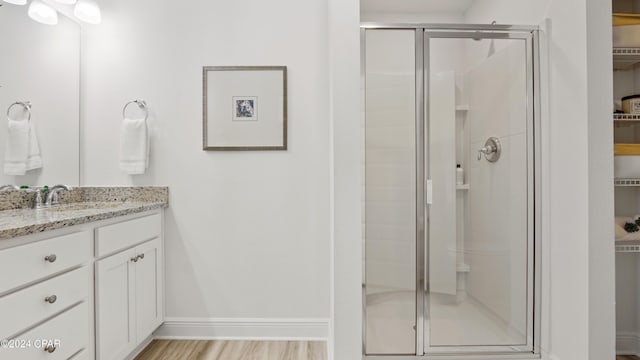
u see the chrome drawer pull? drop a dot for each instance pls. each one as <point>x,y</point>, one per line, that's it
<point>50,348</point>
<point>50,258</point>
<point>51,299</point>
<point>134,259</point>
<point>141,256</point>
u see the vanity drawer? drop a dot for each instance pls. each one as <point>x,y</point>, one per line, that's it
<point>113,238</point>
<point>27,307</point>
<point>68,332</point>
<point>23,264</point>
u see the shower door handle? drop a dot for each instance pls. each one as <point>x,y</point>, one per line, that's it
<point>429,192</point>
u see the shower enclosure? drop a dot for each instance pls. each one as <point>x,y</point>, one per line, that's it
<point>450,268</point>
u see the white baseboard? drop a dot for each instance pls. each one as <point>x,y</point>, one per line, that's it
<point>628,343</point>
<point>140,347</point>
<point>243,329</point>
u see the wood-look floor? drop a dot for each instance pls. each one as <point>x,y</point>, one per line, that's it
<point>233,350</point>
<point>245,350</point>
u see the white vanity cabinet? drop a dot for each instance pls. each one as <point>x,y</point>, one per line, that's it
<point>83,292</point>
<point>149,289</point>
<point>45,297</point>
<point>129,285</point>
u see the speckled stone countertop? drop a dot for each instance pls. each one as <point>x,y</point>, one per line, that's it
<point>79,206</point>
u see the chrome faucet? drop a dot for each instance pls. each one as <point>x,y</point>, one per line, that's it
<point>52,195</point>
<point>9,187</point>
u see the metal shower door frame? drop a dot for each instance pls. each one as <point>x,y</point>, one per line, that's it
<point>530,36</point>
<point>423,34</point>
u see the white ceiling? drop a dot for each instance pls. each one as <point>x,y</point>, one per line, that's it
<point>413,6</point>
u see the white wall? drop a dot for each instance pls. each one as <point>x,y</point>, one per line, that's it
<point>601,195</point>
<point>417,17</point>
<point>346,180</point>
<point>247,233</point>
<point>41,64</point>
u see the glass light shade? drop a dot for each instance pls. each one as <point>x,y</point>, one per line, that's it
<point>67,2</point>
<point>42,13</point>
<point>88,11</point>
<point>16,2</point>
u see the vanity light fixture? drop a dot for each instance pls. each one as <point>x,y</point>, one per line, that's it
<point>85,10</point>
<point>88,11</point>
<point>42,13</point>
<point>16,2</point>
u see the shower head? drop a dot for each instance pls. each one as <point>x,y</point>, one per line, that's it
<point>478,32</point>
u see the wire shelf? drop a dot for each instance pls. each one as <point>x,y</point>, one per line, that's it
<point>625,58</point>
<point>627,182</point>
<point>626,51</point>
<point>626,117</point>
<point>627,248</point>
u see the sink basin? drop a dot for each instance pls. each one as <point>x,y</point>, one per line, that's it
<point>83,206</point>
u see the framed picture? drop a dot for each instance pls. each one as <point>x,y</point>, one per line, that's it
<point>244,108</point>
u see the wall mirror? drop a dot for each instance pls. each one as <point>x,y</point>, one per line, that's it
<point>40,65</point>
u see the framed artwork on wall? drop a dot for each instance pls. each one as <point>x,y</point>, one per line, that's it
<point>244,108</point>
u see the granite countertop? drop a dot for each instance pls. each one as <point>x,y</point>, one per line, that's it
<point>88,205</point>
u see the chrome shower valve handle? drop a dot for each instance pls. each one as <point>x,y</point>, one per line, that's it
<point>487,150</point>
<point>492,150</point>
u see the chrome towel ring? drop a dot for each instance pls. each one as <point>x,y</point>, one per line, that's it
<point>26,105</point>
<point>141,104</point>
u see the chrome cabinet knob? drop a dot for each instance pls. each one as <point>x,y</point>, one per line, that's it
<point>134,259</point>
<point>141,256</point>
<point>51,299</point>
<point>50,348</point>
<point>50,258</point>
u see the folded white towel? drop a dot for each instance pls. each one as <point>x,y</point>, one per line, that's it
<point>22,150</point>
<point>134,146</point>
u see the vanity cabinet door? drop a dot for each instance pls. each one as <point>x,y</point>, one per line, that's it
<point>149,309</point>
<point>115,306</point>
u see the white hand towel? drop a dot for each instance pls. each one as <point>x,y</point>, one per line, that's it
<point>22,150</point>
<point>134,146</point>
<point>34,160</point>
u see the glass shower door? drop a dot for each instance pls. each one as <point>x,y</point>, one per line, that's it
<point>479,256</point>
<point>449,267</point>
<point>390,192</point>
